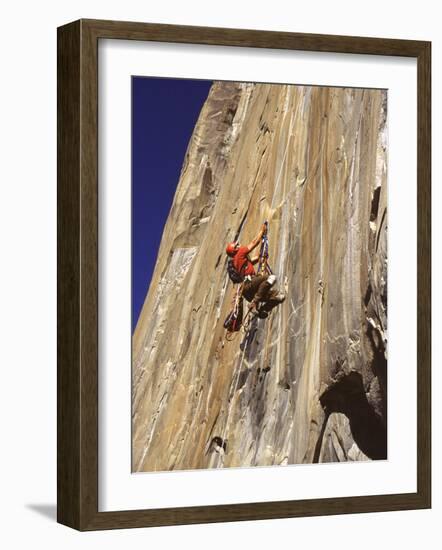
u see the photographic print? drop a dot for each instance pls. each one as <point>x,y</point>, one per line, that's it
<point>259,274</point>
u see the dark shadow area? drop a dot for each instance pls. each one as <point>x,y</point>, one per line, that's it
<point>242,379</point>
<point>318,445</point>
<point>368,294</point>
<point>216,444</point>
<point>380,227</point>
<point>375,204</point>
<point>47,510</point>
<point>379,363</point>
<point>262,373</point>
<point>347,396</point>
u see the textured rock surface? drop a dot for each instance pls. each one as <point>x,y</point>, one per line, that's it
<point>310,384</point>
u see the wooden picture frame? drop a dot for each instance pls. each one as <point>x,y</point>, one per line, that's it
<point>77,225</point>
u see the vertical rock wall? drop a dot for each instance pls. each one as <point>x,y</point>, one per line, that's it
<point>309,383</point>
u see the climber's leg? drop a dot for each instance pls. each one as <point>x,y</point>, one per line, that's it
<point>252,286</point>
<point>264,288</point>
<point>272,302</point>
<point>274,298</point>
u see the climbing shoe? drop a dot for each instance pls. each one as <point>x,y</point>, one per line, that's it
<point>280,297</point>
<point>259,311</point>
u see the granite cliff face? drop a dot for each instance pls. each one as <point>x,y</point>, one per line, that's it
<point>309,384</point>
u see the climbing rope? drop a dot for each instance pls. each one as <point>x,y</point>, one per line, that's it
<point>226,427</point>
<point>263,269</point>
<point>263,262</point>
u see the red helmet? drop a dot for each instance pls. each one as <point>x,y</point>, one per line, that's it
<point>231,248</point>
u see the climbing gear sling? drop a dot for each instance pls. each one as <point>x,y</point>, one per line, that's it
<point>234,319</point>
<point>263,262</point>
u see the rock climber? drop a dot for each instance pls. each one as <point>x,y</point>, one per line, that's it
<point>257,289</point>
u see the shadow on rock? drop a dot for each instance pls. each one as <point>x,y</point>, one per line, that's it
<point>347,396</point>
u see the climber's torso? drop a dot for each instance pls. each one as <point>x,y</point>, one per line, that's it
<point>242,263</point>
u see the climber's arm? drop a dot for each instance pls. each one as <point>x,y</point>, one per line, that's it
<point>253,244</point>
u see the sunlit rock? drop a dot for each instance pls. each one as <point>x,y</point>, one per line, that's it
<point>310,383</point>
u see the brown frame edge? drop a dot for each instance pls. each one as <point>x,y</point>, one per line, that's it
<point>77,275</point>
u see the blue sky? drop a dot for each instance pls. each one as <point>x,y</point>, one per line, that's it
<point>164,113</point>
